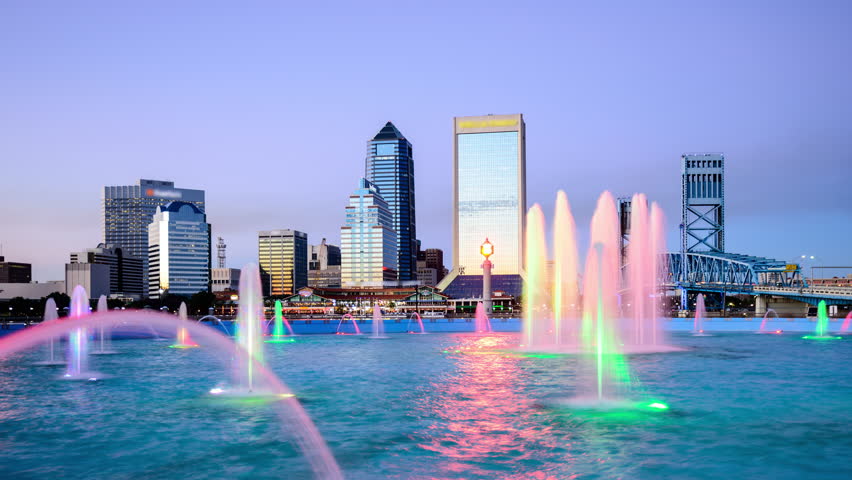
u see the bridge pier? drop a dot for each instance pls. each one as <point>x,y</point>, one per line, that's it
<point>760,302</point>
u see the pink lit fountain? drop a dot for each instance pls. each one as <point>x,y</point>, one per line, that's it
<point>378,324</point>
<point>555,319</point>
<point>50,315</point>
<point>763,323</point>
<point>416,316</point>
<point>354,324</point>
<point>481,322</point>
<point>700,314</point>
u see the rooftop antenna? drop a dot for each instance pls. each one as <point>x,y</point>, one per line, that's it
<point>220,249</point>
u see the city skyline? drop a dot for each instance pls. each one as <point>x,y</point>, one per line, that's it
<point>766,91</point>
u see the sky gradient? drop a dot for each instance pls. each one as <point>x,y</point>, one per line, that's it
<point>268,107</point>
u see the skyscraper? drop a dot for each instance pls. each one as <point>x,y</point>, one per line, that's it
<point>489,193</point>
<point>368,241</point>
<point>390,167</point>
<point>283,258</point>
<point>179,252</point>
<point>129,209</point>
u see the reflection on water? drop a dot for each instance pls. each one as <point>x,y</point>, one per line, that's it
<point>484,424</point>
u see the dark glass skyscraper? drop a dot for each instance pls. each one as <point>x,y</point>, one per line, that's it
<point>390,167</point>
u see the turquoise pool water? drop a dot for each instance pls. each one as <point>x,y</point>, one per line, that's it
<point>741,406</point>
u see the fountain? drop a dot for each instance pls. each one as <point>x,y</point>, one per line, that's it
<point>295,423</point>
<point>50,315</point>
<point>354,323</point>
<point>279,323</point>
<point>249,333</point>
<point>566,289</point>
<point>104,335</point>
<point>700,313</point>
<point>378,324</point>
<point>821,332</point>
<point>552,319</point>
<point>78,339</point>
<point>481,322</point>
<point>644,257</point>
<point>419,322</point>
<point>763,323</point>
<point>183,340</point>
<point>844,329</point>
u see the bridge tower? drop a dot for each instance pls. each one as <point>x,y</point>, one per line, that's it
<point>702,226</point>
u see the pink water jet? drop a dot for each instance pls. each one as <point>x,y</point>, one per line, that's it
<point>765,317</point>
<point>78,338</point>
<point>565,287</point>
<point>844,328</point>
<point>481,322</point>
<point>416,316</point>
<point>184,340</point>
<point>700,314</point>
<point>294,420</point>
<point>354,323</point>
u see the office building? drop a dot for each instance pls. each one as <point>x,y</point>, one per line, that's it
<point>129,209</point>
<point>425,274</point>
<point>125,271</point>
<point>30,290</point>
<point>434,258</point>
<point>179,253</point>
<point>390,167</point>
<point>324,265</point>
<point>15,272</point>
<point>225,280</point>
<point>94,277</point>
<point>283,259</point>
<point>489,201</point>
<point>368,241</point>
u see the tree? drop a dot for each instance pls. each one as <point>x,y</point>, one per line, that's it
<point>200,302</point>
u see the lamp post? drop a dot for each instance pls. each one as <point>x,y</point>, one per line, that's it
<point>487,249</point>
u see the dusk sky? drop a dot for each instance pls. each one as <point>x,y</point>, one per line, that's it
<point>268,107</point>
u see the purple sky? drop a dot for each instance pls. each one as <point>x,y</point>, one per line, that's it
<point>268,107</point>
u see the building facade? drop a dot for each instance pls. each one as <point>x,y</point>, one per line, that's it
<point>129,209</point>
<point>324,265</point>
<point>390,167</point>
<point>15,272</point>
<point>283,258</point>
<point>489,192</point>
<point>368,244</point>
<point>434,258</point>
<point>125,270</point>
<point>94,277</point>
<point>224,280</point>
<point>179,253</point>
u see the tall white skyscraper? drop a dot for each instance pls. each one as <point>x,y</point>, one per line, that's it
<point>178,250</point>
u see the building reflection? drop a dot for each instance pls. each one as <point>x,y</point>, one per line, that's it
<point>485,426</point>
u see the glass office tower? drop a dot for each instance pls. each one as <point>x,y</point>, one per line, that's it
<point>368,244</point>
<point>489,198</point>
<point>178,251</point>
<point>283,258</point>
<point>129,209</point>
<point>390,167</point>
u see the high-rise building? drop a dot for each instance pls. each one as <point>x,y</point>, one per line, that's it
<point>125,270</point>
<point>93,277</point>
<point>179,252</point>
<point>489,193</point>
<point>283,259</point>
<point>489,202</point>
<point>390,167</point>
<point>324,265</point>
<point>129,209</point>
<point>14,272</point>
<point>368,241</point>
<point>434,258</point>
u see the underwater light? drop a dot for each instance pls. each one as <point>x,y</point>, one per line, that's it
<point>658,406</point>
<point>216,391</point>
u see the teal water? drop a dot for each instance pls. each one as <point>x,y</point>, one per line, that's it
<point>741,406</point>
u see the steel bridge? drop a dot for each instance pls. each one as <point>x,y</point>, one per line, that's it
<point>734,274</point>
